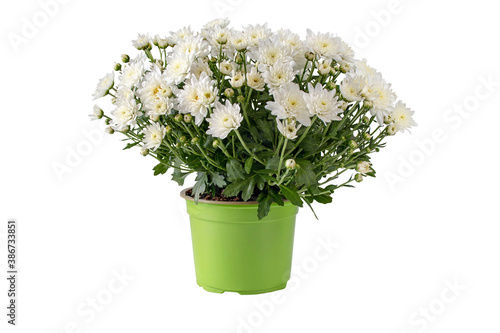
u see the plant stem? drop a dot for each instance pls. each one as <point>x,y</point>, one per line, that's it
<point>281,158</point>
<point>246,147</point>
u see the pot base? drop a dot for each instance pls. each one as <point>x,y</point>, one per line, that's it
<point>242,292</point>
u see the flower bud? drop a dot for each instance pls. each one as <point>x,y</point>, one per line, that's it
<point>365,119</point>
<point>97,113</point>
<point>195,141</point>
<point>368,104</point>
<point>391,129</point>
<point>229,92</point>
<point>125,129</point>
<point>154,117</point>
<point>330,86</point>
<point>239,59</point>
<point>367,136</point>
<point>358,177</point>
<point>109,130</point>
<point>324,68</point>
<point>216,143</point>
<point>188,118</point>
<point>144,152</point>
<point>177,145</point>
<point>363,167</point>
<point>168,129</point>
<point>118,66</point>
<point>344,105</point>
<point>353,144</point>
<point>342,138</point>
<point>368,150</point>
<point>182,139</point>
<point>290,164</point>
<point>107,121</point>
<point>178,117</point>
<point>125,58</point>
<point>240,99</point>
<point>310,56</point>
<point>186,144</point>
<point>344,67</point>
<point>388,119</point>
<point>159,63</point>
<point>350,151</point>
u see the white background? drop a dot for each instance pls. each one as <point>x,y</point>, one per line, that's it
<point>431,215</point>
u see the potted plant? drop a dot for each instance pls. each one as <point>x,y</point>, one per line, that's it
<point>267,122</point>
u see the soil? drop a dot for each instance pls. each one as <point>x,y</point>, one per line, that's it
<point>219,197</point>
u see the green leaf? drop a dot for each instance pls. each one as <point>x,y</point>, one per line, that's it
<point>246,187</point>
<point>218,179</point>
<point>291,195</point>
<point>200,185</point>
<point>273,163</point>
<point>265,201</point>
<point>276,197</point>
<point>234,170</point>
<point>130,145</point>
<point>305,177</point>
<point>160,169</point>
<point>248,164</point>
<point>266,130</point>
<point>309,144</point>
<point>323,198</point>
<point>179,176</point>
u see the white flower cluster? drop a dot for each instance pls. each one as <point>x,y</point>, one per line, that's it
<point>201,74</point>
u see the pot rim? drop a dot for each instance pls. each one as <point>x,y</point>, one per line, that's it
<point>232,203</point>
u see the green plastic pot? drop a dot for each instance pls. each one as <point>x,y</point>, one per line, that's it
<point>235,251</point>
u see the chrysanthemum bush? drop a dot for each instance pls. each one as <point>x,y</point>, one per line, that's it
<point>255,114</point>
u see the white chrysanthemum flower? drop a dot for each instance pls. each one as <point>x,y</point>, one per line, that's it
<point>364,167</point>
<point>256,33</point>
<point>97,113</point>
<point>289,103</point>
<point>239,41</point>
<point>126,113</point>
<point>381,95</point>
<point>346,53</point>
<point>268,53</point>
<point>294,44</point>
<point>324,44</point>
<point>132,74</point>
<point>161,42</point>
<point>154,87</point>
<point>123,94</point>
<point>201,66</point>
<point>142,42</point>
<point>178,67</point>
<point>362,68</point>
<point>177,36</point>
<point>402,117</point>
<point>226,67</point>
<point>220,22</point>
<point>196,96</point>
<point>323,103</point>
<point>160,106</point>
<point>104,85</point>
<point>279,74</point>
<point>351,87</point>
<point>324,68</point>
<point>255,80</point>
<point>237,80</point>
<point>153,136</point>
<point>224,119</point>
<point>288,128</point>
<point>192,45</point>
<point>219,35</point>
